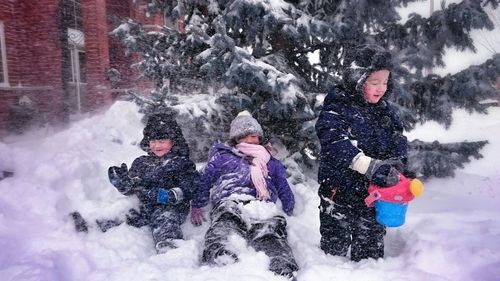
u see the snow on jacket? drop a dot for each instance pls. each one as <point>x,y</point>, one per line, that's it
<point>348,125</point>
<point>227,172</point>
<point>172,172</point>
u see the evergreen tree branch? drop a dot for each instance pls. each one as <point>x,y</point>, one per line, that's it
<point>440,160</point>
<point>435,97</point>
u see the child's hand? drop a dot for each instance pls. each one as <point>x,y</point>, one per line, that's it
<point>396,163</point>
<point>197,216</point>
<point>382,172</point>
<point>118,176</point>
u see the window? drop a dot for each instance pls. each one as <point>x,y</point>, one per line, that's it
<point>78,69</point>
<point>72,14</point>
<point>3,58</point>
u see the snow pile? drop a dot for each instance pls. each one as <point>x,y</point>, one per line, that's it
<point>452,232</point>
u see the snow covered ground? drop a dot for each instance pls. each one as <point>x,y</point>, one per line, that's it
<point>452,232</point>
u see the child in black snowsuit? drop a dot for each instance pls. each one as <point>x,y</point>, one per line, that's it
<point>164,180</point>
<point>361,142</point>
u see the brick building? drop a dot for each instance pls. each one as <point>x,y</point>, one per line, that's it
<point>55,57</point>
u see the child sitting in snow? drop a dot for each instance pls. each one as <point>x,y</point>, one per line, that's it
<point>236,176</point>
<point>164,180</point>
<point>361,142</point>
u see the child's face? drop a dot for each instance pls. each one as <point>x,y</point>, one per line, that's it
<point>250,138</point>
<point>376,85</point>
<point>160,147</point>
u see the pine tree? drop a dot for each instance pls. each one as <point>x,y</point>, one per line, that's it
<point>255,55</point>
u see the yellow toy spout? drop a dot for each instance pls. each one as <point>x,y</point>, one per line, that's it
<point>416,187</point>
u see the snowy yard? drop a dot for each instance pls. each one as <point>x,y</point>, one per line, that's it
<point>452,231</point>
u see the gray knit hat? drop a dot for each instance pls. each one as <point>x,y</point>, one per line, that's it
<point>244,124</point>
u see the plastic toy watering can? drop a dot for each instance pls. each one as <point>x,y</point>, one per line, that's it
<point>391,203</point>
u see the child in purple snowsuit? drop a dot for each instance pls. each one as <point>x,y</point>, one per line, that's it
<point>164,180</point>
<point>362,142</point>
<point>237,173</point>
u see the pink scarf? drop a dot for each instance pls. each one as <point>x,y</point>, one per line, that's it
<point>258,169</point>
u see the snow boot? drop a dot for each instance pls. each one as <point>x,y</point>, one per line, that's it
<point>225,257</point>
<point>79,221</point>
<point>105,224</point>
<point>270,236</point>
<point>217,254</point>
<point>5,174</point>
<point>164,246</point>
<point>136,218</point>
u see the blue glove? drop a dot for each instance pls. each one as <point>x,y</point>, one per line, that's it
<point>162,196</point>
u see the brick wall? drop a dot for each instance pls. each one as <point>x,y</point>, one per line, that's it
<point>32,45</point>
<point>97,52</point>
<point>38,55</point>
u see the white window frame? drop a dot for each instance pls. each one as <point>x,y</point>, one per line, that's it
<point>3,53</point>
<point>75,64</point>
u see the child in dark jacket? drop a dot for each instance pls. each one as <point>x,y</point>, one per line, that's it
<point>361,142</point>
<point>164,180</point>
<point>236,176</point>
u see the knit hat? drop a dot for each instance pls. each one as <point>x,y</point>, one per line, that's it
<point>360,62</point>
<point>244,124</point>
<point>163,126</point>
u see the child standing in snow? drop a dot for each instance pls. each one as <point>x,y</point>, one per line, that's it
<point>361,142</point>
<point>237,175</point>
<point>164,180</point>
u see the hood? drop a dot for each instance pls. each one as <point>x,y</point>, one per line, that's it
<point>359,63</point>
<point>164,126</point>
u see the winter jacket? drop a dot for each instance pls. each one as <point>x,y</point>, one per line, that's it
<point>227,172</point>
<point>171,172</point>
<point>347,125</point>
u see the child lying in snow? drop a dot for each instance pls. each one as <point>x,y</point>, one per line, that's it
<point>164,181</point>
<point>237,174</point>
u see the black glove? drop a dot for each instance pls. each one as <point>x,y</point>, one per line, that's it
<point>118,176</point>
<point>396,163</point>
<point>409,174</point>
<point>383,172</point>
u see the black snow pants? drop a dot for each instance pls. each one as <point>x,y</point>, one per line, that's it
<point>345,221</point>
<point>164,221</point>
<point>269,236</point>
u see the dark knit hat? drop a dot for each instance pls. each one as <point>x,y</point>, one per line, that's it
<point>360,62</point>
<point>163,126</point>
<point>244,124</point>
